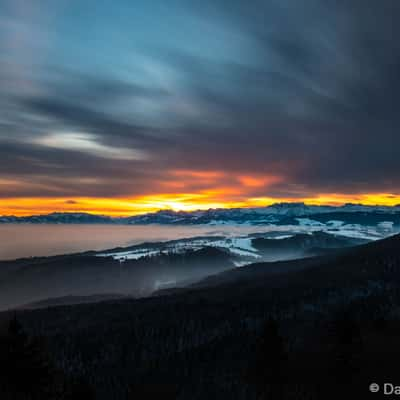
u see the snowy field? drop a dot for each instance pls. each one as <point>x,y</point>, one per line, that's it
<point>240,246</point>
<point>27,240</point>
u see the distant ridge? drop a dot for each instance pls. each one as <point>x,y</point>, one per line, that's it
<point>275,213</point>
<point>363,262</point>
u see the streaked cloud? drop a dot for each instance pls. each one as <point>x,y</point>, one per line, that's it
<point>185,104</point>
<point>86,143</point>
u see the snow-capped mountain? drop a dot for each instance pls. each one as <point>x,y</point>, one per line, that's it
<point>280,214</point>
<point>59,218</point>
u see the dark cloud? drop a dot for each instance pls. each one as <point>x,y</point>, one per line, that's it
<point>70,116</point>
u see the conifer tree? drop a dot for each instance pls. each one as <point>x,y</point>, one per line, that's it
<point>25,372</point>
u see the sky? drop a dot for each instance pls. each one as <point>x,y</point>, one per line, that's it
<point>125,107</point>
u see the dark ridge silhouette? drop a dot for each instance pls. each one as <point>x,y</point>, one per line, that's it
<point>317,328</point>
<point>85,277</point>
<point>25,369</point>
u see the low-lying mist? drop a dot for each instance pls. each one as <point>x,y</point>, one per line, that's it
<point>28,281</point>
<point>140,270</point>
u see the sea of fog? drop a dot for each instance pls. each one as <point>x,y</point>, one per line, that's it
<point>28,240</point>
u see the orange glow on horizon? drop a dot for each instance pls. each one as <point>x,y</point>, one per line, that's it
<point>218,198</point>
<point>179,190</point>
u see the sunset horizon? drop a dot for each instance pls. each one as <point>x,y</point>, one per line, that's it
<point>123,207</point>
<point>199,199</point>
<point>189,107</point>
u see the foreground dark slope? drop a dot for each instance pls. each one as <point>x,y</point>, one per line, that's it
<point>203,341</point>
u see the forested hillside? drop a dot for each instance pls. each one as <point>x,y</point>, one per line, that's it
<point>306,329</point>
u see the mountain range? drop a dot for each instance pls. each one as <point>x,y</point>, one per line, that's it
<point>280,214</point>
